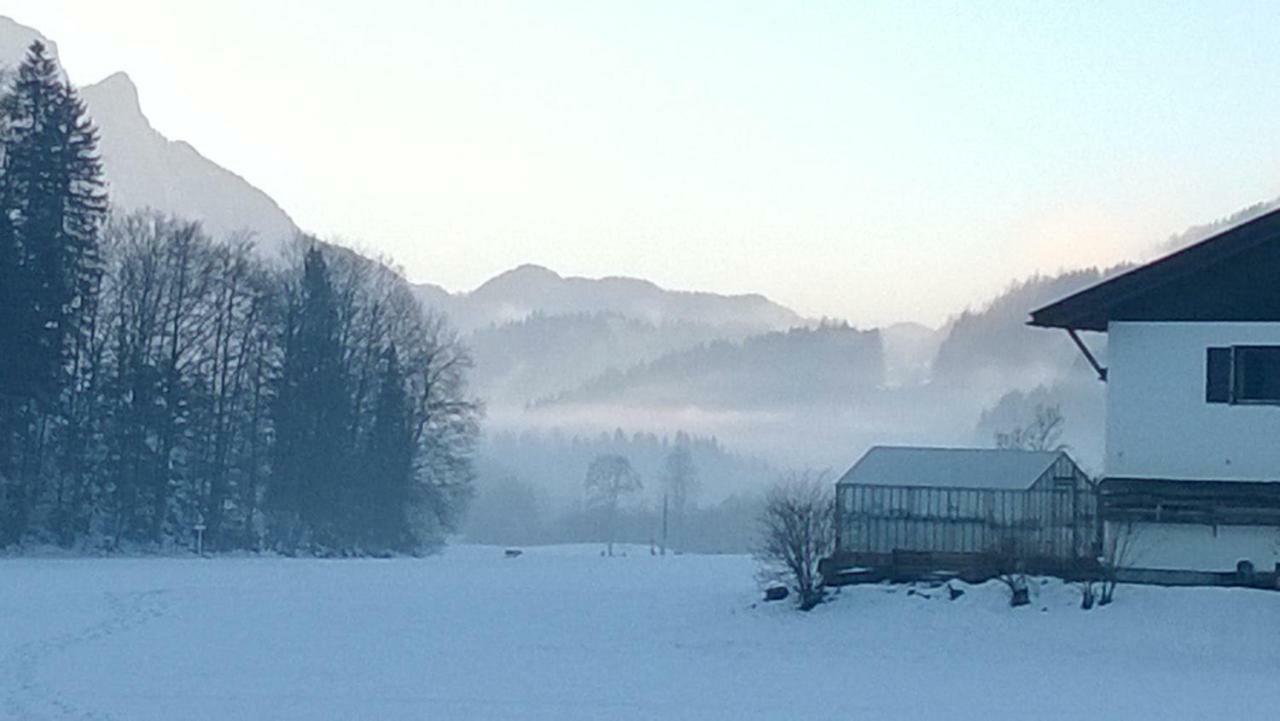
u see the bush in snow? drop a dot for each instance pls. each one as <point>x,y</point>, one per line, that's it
<point>1019,589</point>
<point>798,531</point>
<point>1117,551</point>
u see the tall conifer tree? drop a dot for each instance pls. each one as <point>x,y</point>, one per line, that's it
<point>388,474</point>
<point>312,416</point>
<point>53,192</point>
<point>54,204</point>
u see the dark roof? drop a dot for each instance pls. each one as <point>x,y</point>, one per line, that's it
<point>950,467</point>
<point>1230,276</point>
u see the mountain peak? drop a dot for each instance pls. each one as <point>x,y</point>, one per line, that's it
<point>524,276</point>
<point>119,83</point>
<point>115,97</point>
<point>145,169</point>
<point>531,270</point>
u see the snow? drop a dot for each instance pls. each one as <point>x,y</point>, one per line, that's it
<point>563,633</point>
<point>999,468</point>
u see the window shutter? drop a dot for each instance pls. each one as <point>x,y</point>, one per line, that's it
<point>1218,383</point>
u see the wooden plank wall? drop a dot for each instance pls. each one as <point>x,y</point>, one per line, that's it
<point>1217,503</point>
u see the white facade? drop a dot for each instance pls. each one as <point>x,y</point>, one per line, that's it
<point>1198,547</point>
<point>1159,424</point>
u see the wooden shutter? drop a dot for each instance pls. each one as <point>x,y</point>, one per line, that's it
<point>1218,381</point>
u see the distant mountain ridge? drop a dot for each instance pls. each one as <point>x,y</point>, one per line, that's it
<point>144,169</point>
<point>532,289</point>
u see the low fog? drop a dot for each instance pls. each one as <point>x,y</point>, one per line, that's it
<point>571,369</point>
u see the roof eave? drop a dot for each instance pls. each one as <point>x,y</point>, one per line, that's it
<point>1091,308</point>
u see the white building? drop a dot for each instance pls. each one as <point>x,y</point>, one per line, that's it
<point>1192,468</point>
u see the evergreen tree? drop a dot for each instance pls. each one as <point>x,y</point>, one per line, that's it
<point>312,415</point>
<point>53,205</point>
<point>388,472</point>
<point>12,329</point>
<point>53,192</point>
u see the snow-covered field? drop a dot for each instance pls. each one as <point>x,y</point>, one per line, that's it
<point>562,633</point>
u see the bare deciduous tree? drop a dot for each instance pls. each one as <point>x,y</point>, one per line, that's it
<point>798,529</point>
<point>609,478</point>
<point>1041,434</point>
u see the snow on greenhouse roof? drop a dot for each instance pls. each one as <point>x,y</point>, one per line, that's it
<point>950,467</point>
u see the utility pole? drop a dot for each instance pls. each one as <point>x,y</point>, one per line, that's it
<point>664,523</point>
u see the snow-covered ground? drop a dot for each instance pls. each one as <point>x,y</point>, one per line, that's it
<point>561,633</point>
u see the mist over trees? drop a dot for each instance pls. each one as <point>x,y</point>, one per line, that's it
<point>812,396</point>
<point>679,491</point>
<point>994,344</point>
<point>530,490</point>
<point>542,355</point>
<point>157,383</point>
<point>829,363</point>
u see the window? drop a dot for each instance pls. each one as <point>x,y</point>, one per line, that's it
<point>1243,374</point>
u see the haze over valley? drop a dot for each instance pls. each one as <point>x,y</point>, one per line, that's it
<point>569,367</point>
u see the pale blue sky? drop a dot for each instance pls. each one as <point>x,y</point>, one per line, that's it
<point>879,162</point>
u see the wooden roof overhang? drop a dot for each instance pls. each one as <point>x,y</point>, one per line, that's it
<point>1233,276</point>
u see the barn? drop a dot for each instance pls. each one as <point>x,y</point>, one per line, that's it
<point>1191,475</point>
<point>905,510</point>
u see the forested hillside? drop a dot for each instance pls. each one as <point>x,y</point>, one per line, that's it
<point>543,355</point>
<point>829,364</point>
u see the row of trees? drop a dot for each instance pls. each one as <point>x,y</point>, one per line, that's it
<point>156,383</point>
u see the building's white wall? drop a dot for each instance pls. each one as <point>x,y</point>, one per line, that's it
<point>1189,546</point>
<point>1158,423</point>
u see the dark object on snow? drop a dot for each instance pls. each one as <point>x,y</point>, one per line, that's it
<point>776,593</point>
<point>512,553</point>
<point>914,592</point>
<point>1020,597</point>
<point>1244,570</point>
<point>954,593</point>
